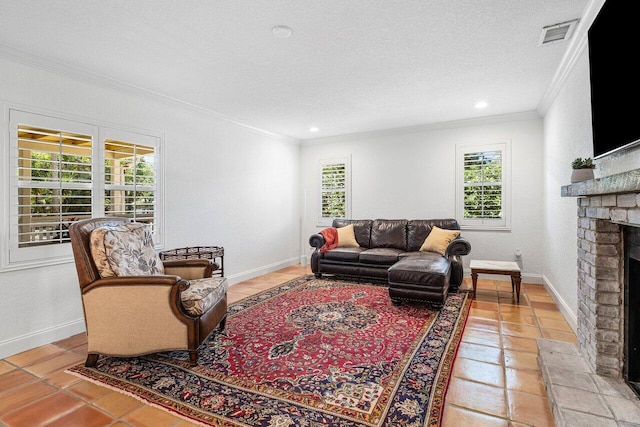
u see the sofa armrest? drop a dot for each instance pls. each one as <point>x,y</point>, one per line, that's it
<point>458,246</point>
<point>317,240</point>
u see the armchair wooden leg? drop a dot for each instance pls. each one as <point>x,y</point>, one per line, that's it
<point>223,323</point>
<point>193,357</point>
<point>91,361</point>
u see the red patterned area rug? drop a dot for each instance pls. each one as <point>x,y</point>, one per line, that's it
<point>309,352</point>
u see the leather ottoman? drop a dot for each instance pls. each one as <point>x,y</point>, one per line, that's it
<point>421,279</point>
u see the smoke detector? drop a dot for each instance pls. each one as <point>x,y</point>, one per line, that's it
<point>557,32</point>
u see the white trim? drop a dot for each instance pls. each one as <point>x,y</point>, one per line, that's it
<point>12,258</point>
<point>346,160</point>
<point>35,339</point>
<point>259,271</point>
<point>76,73</point>
<point>453,124</point>
<point>564,308</point>
<point>139,138</point>
<point>577,44</point>
<point>490,224</point>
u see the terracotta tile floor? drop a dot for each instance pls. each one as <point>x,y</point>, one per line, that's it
<point>496,380</point>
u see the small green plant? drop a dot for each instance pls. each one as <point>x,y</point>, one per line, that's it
<point>580,163</point>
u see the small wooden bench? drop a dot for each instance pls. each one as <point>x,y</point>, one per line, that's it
<point>509,268</point>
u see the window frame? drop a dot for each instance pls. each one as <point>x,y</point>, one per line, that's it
<point>14,257</point>
<point>109,133</point>
<point>503,223</point>
<point>346,161</point>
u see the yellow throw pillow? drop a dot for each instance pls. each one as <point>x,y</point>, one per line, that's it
<point>438,240</point>
<point>347,237</point>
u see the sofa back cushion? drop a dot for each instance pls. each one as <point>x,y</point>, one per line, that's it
<point>361,228</point>
<point>125,250</point>
<point>419,229</point>
<point>389,233</point>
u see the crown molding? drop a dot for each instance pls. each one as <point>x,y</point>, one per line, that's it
<point>577,46</point>
<point>97,79</point>
<point>527,115</point>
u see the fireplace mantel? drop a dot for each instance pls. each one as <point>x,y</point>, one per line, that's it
<point>624,182</point>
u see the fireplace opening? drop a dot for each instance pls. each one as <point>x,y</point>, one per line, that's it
<point>631,365</point>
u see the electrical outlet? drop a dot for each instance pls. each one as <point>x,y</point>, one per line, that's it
<point>518,253</point>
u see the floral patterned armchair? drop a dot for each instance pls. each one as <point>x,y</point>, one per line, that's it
<point>136,304</point>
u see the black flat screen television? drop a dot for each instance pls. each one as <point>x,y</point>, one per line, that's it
<point>614,44</point>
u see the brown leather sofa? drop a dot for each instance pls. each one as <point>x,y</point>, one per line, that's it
<point>390,251</point>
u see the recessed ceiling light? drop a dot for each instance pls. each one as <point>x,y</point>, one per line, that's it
<point>481,104</point>
<point>281,31</point>
<point>313,129</point>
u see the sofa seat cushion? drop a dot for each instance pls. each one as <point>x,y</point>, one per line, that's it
<point>203,294</point>
<point>343,254</point>
<point>426,271</point>
<point>125,250</point>
<point>383,256</point>
<point>420,254</point>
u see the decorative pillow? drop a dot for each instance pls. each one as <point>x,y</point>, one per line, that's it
<point>125,250</point>
<point>438,240</point>
<point>347,237</point>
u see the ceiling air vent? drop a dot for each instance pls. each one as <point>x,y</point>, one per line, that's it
<point>557,32</point>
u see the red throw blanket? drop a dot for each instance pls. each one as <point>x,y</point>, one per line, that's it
<point>330,239</point>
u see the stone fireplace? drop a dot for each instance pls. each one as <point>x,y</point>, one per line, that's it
<point>606,206</point>
<point>585,382</point>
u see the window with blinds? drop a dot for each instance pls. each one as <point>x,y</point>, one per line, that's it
<point>54,184</point>
<point>334,189</point>
<point>62,171</point>
<point>482,186</point>
<point>130,181</point>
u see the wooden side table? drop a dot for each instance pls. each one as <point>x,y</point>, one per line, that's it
<point>509,268</point>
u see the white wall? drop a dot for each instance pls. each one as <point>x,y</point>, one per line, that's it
<point>225,184</point>
<point>410,173</point>
<point>567,135</point>
<point>567,127</point>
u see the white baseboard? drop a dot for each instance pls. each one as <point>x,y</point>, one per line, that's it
<point>566,312</point>
<point>539,279</point>
<point>35,339</point>
<point>265,269</point>
<point>44,336</point>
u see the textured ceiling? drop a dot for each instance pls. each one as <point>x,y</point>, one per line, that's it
<point>350,65</point>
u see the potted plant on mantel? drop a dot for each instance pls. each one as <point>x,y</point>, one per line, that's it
<point>582,169</point>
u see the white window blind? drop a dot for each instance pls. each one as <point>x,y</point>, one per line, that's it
<point>130,181</point>
<point>54,184</point>
<point>335,183</point>
<point>483,184</point>
<point>482,197</point>
<point>62,171</point>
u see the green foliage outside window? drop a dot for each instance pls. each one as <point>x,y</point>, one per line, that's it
<point>483,185</point>
<point>68,169</point>
<point>334,195</point>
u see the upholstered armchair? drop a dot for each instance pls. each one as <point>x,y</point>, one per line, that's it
<point>133,302</point>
